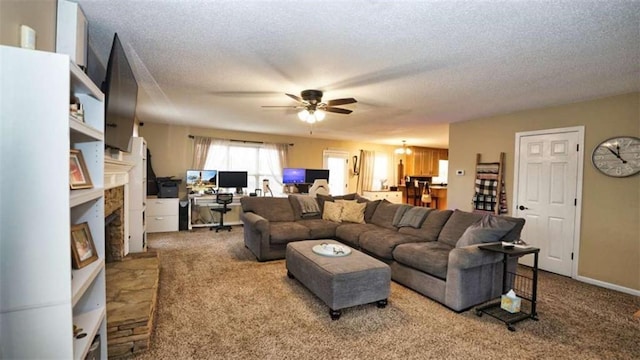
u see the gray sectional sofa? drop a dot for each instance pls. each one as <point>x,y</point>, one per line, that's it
<point>434,252</point>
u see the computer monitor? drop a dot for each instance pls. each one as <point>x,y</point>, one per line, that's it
<point>206,178</point>
<point>293,176</point>
<point>233,179</point>
<point>312,175</point>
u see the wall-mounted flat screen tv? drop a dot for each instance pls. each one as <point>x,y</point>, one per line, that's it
<point>121,95</point>
<point>293,176</point>
<point>207,178</point>
<point>312,175</point>
<point>232,179</point>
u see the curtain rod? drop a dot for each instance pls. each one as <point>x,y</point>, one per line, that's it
<point>242,141</point>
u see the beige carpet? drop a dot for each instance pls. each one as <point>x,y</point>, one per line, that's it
<point>217,302</point>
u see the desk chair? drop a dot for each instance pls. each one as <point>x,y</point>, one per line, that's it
<point>223,199</point>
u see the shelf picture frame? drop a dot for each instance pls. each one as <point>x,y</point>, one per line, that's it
<point>83,249</point>
<point>79,177</point>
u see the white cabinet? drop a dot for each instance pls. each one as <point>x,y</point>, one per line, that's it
<point>391,196</point>
<point>137,195</point>
<point>41,297</point>
<point>162,214</point>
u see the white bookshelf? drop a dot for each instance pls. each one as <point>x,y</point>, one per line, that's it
<point>41,296</point>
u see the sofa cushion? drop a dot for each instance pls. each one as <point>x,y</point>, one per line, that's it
<point>430,257</point>
<point>320,229</point>
<point>383,216</point>
<point>414,217</point>
<point>352,211</point>
<point>488,229</point>
<point>431,226</point>
<point>456,226</point>
<point>399,214</point>
<point>370,209</point>
<point>283,232</point>
<point>304,207</point>
<point>350,233</point>
<point>351,196</point>
<point>270,208</point>
<point>332,211</point>
<point>513,234</point>
<point>381,242</point>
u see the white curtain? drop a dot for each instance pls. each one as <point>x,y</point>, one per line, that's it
<point>218,152</point>
<point>201,147</point>
<point>367,161</point>
<point>277,159</point>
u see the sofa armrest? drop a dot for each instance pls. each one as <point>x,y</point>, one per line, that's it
<point>255,222</point>
<point>471,256</point>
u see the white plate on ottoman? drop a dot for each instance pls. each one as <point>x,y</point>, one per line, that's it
<point>331,250</point>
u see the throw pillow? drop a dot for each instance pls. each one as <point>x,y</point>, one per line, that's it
<point>322,199</point>
<point>332,211</point>
<point>370,209</point>
<point>399,213</point>
<point>488,229</point>
<point>351,196</point>
<point>414,217</point>
<point>352,211</point>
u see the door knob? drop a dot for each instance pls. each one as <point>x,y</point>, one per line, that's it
<point>521,207</point>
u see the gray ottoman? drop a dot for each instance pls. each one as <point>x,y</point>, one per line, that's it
<point>340,282</point>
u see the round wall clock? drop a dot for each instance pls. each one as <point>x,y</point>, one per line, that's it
<point>618,156</point>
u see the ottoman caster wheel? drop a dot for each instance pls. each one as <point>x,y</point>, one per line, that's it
<point>335,314</point>
<point>382,303</point>
<point>290,275</point>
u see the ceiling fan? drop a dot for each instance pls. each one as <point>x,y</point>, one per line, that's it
<point>313,108</point>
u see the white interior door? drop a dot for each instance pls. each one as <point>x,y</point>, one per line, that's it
<point>338,164</point>
<point>547,183</point>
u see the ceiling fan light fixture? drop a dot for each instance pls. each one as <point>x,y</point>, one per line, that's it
<point>311,116</point>
<point>303,115</point>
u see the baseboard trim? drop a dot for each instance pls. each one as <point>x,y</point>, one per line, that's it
<point>608,285</point>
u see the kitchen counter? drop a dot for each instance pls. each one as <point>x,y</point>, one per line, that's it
<point>438,196</point>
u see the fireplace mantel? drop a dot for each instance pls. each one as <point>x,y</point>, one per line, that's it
<point>116,172</point>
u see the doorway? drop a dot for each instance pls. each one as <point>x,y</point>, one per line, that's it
<point>337,162</point>
<point>548,195</point>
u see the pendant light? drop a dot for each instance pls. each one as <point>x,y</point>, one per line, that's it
<point>404,150</point>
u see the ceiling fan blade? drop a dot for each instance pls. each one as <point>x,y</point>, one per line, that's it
<point>295,97</point>
<point>283,106</point>
<point>336,110</point>
<point>341,101</point>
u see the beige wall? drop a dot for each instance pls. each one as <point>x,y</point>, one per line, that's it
<point>40,15</point>
<point>172,149</point>
<point>610,230</point>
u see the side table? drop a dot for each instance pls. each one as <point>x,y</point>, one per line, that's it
<point>525,287</point>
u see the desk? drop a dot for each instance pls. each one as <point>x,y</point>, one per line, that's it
<point>200,214</point>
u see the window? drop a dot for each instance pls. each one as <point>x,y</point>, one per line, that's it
<point>380,172</point>
<point>260,161</point>
<point>337,163</point>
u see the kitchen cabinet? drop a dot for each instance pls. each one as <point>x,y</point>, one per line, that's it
<point>425,161</point>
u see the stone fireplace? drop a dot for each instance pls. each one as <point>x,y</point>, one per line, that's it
<point>114,223</point>
<point>116,178</point>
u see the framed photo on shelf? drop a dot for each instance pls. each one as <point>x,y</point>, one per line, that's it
<point>78,174</point>
<point>83,250</point>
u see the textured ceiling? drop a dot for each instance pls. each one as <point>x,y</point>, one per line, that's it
<point>413,66</point>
